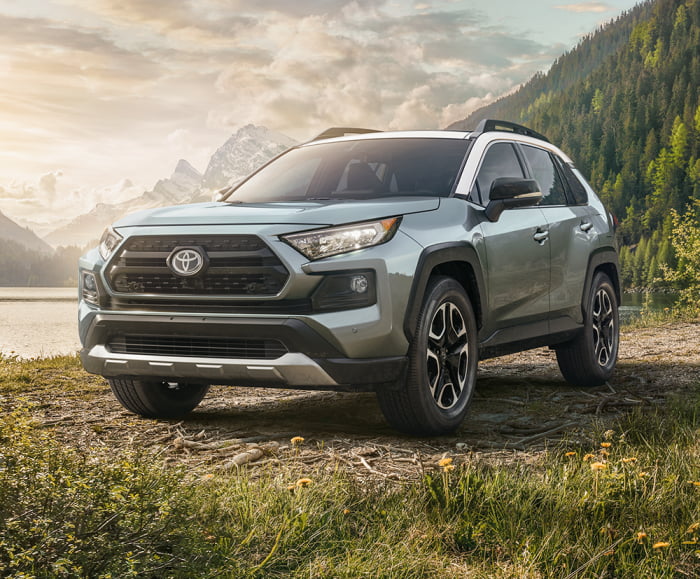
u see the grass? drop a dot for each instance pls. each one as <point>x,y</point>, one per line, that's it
<point>627,505</point>
<point>648,317</point>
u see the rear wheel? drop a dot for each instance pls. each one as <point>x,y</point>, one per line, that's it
<point>442,365</point>
<point>153,398</point>
<point>590,359</point>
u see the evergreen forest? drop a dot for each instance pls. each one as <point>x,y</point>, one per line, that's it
<point>22,267</point>
<point>625,105</point>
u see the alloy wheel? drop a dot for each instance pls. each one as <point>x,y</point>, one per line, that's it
<point>604,335</point>
<point>447,356</point>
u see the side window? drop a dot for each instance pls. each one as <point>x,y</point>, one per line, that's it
<point>546,174</point>
<point>500,160</point>
<point>578,190</point>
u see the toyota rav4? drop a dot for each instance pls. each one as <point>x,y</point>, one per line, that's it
<point>362,260</point>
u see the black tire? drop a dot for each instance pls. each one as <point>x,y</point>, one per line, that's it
<point>443,358</point>
<point>153,398</point>
<point>589,360</point>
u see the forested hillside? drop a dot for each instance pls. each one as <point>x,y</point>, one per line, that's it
<point>625,104</point>
<point>21,266</point>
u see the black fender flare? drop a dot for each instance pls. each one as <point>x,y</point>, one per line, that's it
<point>430,258</point>
<point>607,260</point>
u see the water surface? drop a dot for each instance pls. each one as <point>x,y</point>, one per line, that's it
<point>37,322</point>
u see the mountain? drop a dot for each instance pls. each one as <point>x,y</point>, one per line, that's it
<point>11,231</point>
<point>244,152</point>
<point>625,105</point>
<point>86,228</point>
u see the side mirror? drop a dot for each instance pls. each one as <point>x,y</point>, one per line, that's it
<point>509,192</point>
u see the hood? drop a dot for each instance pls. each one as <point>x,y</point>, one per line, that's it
<point>323,213</point>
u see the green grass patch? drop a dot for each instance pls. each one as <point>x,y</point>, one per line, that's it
<point>625,505</point>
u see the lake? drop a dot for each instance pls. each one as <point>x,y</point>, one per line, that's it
<point>37,322</point>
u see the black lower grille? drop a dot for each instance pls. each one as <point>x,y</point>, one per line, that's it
<point>198,347</point>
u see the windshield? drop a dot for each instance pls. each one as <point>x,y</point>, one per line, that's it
<point>358,169</point>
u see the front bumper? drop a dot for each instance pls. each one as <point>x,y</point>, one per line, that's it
<point>309,361</point>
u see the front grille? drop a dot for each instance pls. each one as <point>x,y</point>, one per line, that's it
<point>238,265</point>
<point>197,347</point>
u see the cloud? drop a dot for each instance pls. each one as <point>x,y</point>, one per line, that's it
<point>47,185</point>
<point>585,7</point>
<point>377,70</point>
<point>108,90</point>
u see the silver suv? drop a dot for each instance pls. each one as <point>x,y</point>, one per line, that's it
<point>362,260</point>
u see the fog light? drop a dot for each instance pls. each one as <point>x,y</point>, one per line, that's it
<point>345,291</point>
<point>359,284</point>
<point>89,290</point>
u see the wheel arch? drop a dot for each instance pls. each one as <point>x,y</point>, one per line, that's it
<point>459,261</point>
<point>606,261</point>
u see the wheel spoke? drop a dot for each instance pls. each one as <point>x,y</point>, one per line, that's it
<point>434,368</point>
<point>447,395</point>
<point>438,326</point>
<point>456,324</point>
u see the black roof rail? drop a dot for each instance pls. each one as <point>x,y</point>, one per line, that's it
<point>490,125</point>
<point>341,132</point>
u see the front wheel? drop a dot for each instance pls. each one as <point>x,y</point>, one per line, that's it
<point>589,360</point>
<point>442,365</point>
<point>153,398</point>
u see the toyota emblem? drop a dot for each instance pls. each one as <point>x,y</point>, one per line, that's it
<point>186,261</point>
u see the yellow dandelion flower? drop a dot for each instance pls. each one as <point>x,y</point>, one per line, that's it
<point>346,511</point>
<point>630,459</point>
<point>661,545</point>
<point>604,452</point>
<point>598,466</point>
<point>588,457</point>
<point>448,467</point>
<point>570,453</point>
<point>689,542</point>
<point>297,440</point>
<point>641,536</point>
<point>606,444</point>
<point>694,483</point>
<point>443,462</point>
<point>304,482</point>
<point>694,527</point>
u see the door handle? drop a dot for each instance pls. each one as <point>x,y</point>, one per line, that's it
<point>541,236</point>
<point>585,225</point>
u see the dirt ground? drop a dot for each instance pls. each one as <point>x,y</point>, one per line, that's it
<point>521,406</point>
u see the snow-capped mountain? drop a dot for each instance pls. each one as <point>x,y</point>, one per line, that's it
<point>13,232</point>
<point>246,150</point>
<point>243,152</point>
<point>178,188</point>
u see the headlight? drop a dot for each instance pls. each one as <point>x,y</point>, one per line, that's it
<point>108,242</point>
<point>326,242</point>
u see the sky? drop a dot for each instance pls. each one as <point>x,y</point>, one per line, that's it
<point>100,98</point>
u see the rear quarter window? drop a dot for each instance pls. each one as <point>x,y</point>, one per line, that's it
<point>576,188</point>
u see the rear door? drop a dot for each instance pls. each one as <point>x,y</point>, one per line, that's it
<point>571,224</point>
